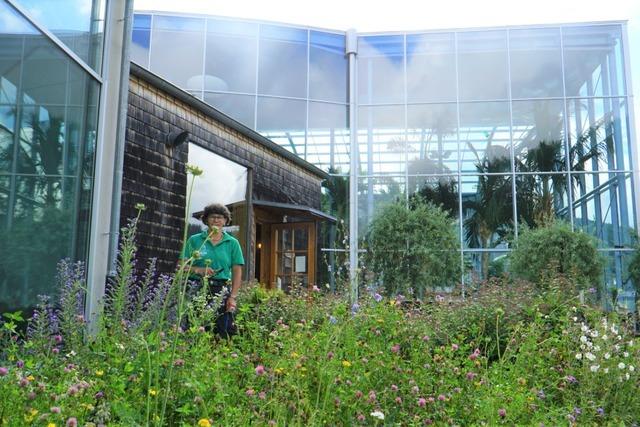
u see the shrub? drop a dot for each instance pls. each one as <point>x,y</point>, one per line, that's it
<point>557,250</point>
<point>413,248</point>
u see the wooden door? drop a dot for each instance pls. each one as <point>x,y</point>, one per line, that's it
<point>293,255</point>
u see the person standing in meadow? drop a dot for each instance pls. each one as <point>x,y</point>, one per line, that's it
<point>216,256</point>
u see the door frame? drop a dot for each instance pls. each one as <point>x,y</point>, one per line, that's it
<point>311,250</point>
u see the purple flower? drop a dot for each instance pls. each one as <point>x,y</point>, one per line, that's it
<point>600,411</point>
<point>20,364</point>
<point>377,297</point>
<point>333,320</point>
<point>58,338</point>
<point>259,370</point>
<point>471,375</point>
<point>422,402</point>
<point>502,412</point>
<point>355,307</point>
<point>577,411</point>
<point>541,394</point>
<point>571,379</point>
<point>99,395</point>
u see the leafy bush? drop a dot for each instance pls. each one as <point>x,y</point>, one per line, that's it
<point>555,250</point>
<point>412,249</point>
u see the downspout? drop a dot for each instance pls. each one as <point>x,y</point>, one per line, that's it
<point>352,52</point>
<point>123,98</point>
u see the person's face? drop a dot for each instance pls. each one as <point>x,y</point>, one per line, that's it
<point>216,220</point>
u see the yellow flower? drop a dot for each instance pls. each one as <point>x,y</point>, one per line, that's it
<point>278,371</point>
<point>51,425</point>
<point>346,363</point>
<point>152,392</point>
<point>31,414</point>
<point>294,355</point>
<point>99,373</point>
<point>31,378</point>
<point>204,423</point>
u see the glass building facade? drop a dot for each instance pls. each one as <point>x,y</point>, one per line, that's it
<point>50,83</point>
<point>505,127</point>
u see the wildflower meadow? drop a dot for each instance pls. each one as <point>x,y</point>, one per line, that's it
<point>506,352</point>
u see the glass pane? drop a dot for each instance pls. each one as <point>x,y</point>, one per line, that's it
<point>479,266</point>
<point>48,124</point>
<point>541,197</point>
<point>484,137</point>
<point>7,132</point>
<point>301,239</point>
<point>432,138</point>
<point>482,65</point>
<point>282,61</point>
<point>140,39</point>
<point>536,63</point>
<point>79,24</point>
<point>169,57</point>
<point>230,63</point>
<point>487,210</point>
<point>287,240</point>
<point>619,292</point>
<point>603,207</point>
<point>380,69</point>
<point>239,107</point>
<point>431,67</point>
<point>328,67</point>
<point>381,140</point>
<point>538,136</point>
<point>593,62</point>
<point>287,262</point>
<point>328,136</point>
<point>283,121</point>
<point>599,134</point>
<point>374,194</point>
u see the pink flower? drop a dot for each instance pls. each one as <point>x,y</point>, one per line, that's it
<point>201,329</point>
<point>425,338</point>
<point>395,348</point>
<point>330,355</point>
<point>55,350</point>
<point>422,402</point>
<point>3,371</point>
<point>372,396</point>
<point>262,395</point>
<point>398,400</point>
<point>58,339</point>
<point>361,417</point>
<point>430,399</point>
<point>178,362</point>
<point>72,422</point>
<point>394,387</point>
<point>471,375</point>
<point>259,370</point>
<point>250,392</point>
<point>454,347</point>
<point>55,409</point>
<point>415,389</point>
<point>442,397</point>
<point>358,394</point>
<point>502,412</point>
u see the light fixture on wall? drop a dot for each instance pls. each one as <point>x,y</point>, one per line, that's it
<point>176,138</point>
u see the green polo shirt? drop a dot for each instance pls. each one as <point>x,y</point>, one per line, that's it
<point>222,256</point>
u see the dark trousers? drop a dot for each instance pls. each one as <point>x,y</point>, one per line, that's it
<point>224,323</point>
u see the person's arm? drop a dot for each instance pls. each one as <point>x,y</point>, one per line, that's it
<point>236,278</point>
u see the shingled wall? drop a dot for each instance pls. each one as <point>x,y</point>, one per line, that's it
<point>154,173</point>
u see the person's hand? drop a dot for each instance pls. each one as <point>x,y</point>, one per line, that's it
<point>206,271</point>
<point>231,303</point>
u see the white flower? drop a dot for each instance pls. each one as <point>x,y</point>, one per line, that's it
<point>377,414</point>
<point>607,356</point>
<point>579,356</point>
<point>589,344</point>
<point>594,368</point>
<point>625,354</point>
<point>594,333</point>
<point>583,339</point>
<point>621,365</point>
<point>575,319</point>
<point>584,328</point>
<point>596,348</point>
<point>616,347</point>
<point>604,337</point>
<point>590,356</point>
<point>631,368</point>
<point>627,376</point>
<point>619,337</point>
<point>614,329</point>
<point>606,370</point>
